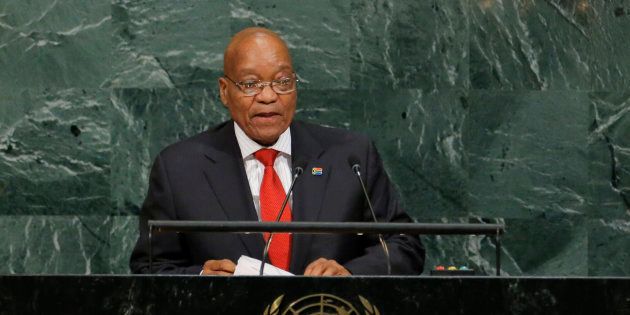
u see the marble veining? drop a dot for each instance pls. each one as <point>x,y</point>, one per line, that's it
<point>515,112</point>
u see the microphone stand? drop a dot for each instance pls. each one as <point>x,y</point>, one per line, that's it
<point>357,170</point>
<point>296,172</point>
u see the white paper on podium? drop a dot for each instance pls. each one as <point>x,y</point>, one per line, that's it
<point>247,266</point>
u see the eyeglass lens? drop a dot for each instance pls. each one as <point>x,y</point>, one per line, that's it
<point>280,86</point>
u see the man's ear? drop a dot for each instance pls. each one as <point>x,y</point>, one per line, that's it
<point>223,86</point>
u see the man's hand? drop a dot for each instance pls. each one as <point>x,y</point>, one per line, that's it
<point>325,267</point>
<point>223,267</point>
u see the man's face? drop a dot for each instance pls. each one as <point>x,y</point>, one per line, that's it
<point>263,117</point>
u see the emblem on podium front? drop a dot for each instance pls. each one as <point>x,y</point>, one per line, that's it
<point>320,304</point>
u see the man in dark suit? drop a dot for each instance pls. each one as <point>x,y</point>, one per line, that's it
<point>240,170</point>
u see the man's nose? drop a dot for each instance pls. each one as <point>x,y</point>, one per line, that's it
<point>267,95</point>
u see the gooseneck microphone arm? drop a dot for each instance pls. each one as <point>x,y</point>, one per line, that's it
<point>297,171</point>
<point>356,169</point>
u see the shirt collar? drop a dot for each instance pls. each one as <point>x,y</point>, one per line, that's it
<point>249,146</point>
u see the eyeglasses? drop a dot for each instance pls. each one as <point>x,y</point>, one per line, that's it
<point>284,85</point>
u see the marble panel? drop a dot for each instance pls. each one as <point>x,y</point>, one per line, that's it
<point>316,32</point>
<point>145,121</point>
<point>483,111</point>
<point>476,252</point>
<point>419,136</point>
<point>54,152</point>
<point>333,108</point>
<point>161,44</point>
<point>608,245</point>
<point>609,154</point>
<point>409,44</point>
<point>528,154</point>
<point>63,244</point>
<point>539,246</point>
<point>547,246</point>
<point>122,237</point>
<point>610,68</point>
<point>56,44</point>
<point>532,44</point>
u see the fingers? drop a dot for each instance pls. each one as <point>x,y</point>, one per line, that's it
<point>223,267</point>
<point>325,267</point>
<point>319,267</point>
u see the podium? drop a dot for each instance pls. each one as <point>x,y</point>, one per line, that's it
<point>160,294</point>
<point>181,226</point>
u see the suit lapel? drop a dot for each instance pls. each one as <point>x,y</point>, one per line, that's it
<point>309,190</point>
<point>225,174</point>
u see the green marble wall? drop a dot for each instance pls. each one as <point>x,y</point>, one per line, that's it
<point>484,111</point>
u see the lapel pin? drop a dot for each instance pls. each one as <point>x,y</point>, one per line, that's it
<point>317,171</point>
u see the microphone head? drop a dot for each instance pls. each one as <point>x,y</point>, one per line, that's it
<point>354,163</point>
<point>298,166</point>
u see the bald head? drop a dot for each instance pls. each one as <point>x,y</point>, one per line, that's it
<point>248,41</point>
<point>258,55</point>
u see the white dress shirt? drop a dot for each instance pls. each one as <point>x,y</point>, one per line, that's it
<point>255,169</point>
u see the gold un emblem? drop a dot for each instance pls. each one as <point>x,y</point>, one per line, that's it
<point>320,304</point>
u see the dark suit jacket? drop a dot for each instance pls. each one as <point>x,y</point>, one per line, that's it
<point>203,178</point>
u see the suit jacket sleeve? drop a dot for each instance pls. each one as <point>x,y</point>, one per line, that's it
<point>169,254</point>
<point>406,251</point>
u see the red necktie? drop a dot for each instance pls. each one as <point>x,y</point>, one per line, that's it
<point>271,197</point>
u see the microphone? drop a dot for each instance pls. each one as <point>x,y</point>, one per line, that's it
<point>354,163</point>
<point>297,171</point>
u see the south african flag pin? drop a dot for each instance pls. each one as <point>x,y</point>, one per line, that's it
<point>317,171</point>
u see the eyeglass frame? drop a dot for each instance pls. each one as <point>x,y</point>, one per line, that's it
<point>262,84</point>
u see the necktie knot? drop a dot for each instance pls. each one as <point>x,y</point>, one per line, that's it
<point>266,156</point>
